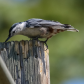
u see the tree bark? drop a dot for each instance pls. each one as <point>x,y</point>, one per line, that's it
<point>27,61</point>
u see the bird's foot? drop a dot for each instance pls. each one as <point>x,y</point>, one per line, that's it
<point>36,38</point>
<point>45,43</point>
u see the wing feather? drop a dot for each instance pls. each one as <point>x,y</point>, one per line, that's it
<point>39,23</point>
<point>35,23</point>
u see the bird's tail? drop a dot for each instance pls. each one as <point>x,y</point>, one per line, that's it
<point>69,28</point>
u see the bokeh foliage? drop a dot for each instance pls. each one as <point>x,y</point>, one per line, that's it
<point>65,49</point>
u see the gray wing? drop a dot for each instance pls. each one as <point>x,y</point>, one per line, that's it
<point>39,23</point>
<point>35,23</point>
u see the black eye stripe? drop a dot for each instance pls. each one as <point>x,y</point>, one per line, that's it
<point>13,31</point>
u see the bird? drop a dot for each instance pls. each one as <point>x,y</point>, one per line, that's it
<point>39,28</point>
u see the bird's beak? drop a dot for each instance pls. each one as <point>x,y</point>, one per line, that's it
<point>7,39</point>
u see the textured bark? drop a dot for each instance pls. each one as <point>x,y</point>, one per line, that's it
<point>27,61</point>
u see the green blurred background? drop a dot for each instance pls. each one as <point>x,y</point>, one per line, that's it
<point>65,49</point>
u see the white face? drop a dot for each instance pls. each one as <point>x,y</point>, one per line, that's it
<point>18,28</point>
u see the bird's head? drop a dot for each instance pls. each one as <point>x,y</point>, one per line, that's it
<point>16,29</point>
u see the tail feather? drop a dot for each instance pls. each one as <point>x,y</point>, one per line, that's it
<point>69,28</point>
<point>73,30</point>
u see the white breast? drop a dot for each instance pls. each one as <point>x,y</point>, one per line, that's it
<point>31,32</point>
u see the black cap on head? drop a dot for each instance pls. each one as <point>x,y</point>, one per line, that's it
<point>10,31</point>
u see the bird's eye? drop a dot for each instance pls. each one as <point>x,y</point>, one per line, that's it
<point>13,31</point>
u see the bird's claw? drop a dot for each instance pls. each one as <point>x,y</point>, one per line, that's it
<point>46,45</point>
<point>42,41</point>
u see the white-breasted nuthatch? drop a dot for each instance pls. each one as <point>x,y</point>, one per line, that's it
<point>38,28</point>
